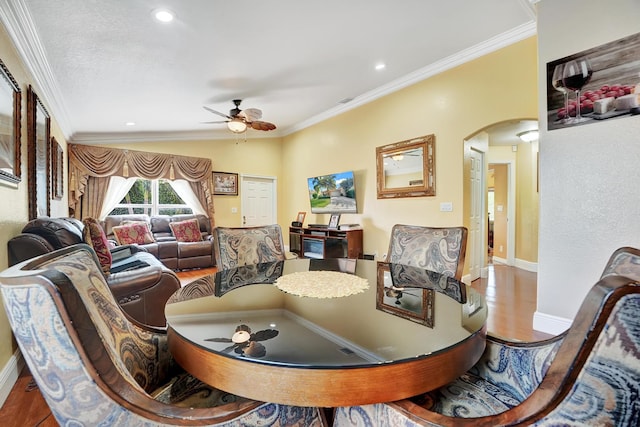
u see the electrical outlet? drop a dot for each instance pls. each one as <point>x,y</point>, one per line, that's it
<point>446,207</point>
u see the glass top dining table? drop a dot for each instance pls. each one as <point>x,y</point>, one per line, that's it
<point>331,332</point>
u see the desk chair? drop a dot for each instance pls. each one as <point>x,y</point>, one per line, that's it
<point>587,376</point>
<point>438,249</point>
<point>95,367</point>
<point>239,246</point>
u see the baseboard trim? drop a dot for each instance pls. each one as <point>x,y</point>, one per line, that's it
<point>549,324</point>
<point>9,375</point>
<point>527,265</point>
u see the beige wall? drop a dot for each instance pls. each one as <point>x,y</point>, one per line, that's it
<point>14,212</point>
<point>255,156</point>
<point>451,105</point>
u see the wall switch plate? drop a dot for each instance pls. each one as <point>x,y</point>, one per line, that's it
<point>234,210</point>
<point>446,207</point>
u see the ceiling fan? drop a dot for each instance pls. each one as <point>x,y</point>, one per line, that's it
<point>238,120</point>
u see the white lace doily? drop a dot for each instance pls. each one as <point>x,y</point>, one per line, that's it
<point>322,284</point>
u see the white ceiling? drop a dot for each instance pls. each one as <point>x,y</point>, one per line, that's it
<point>101,63</point>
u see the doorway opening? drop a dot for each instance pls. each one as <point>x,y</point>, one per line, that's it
<point>500,202</point>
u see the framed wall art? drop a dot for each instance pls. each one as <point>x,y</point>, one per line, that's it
<point>413,304</point>
<point>57,170</point>
<point>10,128</point>
<point>225,184</point>
<point>38,128</point>
<point>594,85</point>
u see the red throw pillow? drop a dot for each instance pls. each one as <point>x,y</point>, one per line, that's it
<point>93,235</point>
<point>186,231</point>
<point>134,233</point>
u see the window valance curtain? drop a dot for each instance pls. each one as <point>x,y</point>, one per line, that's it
<point>87,162</point>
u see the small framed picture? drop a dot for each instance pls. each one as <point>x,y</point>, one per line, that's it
<point>225,184</point>
<point>334,220</point>
<point>300,217</point>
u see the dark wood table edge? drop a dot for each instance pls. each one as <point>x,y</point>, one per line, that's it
<point>327,387</point>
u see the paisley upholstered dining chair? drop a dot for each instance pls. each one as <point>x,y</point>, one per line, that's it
<point>437,249</point>
<point>94,366</point>
<point>239,246</point>
<point>587,376</point>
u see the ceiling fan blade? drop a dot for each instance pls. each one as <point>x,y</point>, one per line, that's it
<point>216,122</point>
<point>251,114</point>
<point>258,125</point>
<point>216,112</point>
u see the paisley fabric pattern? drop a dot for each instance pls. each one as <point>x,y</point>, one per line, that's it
<point>623,263</point>
<point>606,392</point>
<point>135,233</point>
<point>408,276</point>
<point>93,235</point>
<point>236,247</point>
<point>42,333</point>
<point>141,357</point>
<point>186,231</point>
<point>435,249</point>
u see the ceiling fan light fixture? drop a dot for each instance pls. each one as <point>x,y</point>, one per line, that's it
<point>529,135</point>
<point>237,126</point>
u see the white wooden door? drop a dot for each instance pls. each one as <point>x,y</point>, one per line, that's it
<point>258,200</point>
<point>476,243</point>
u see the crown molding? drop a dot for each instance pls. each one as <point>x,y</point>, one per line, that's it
<point>97,138</point>
<point>17,20</point>
<point>498,42</point>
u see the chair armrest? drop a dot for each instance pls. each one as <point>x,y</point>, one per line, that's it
<point>503,362</point>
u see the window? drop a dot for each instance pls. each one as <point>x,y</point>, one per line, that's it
<point>151,197</point>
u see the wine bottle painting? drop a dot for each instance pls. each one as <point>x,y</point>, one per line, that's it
<point>594,85</point>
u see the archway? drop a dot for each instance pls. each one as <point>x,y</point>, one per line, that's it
<point>515,238</point>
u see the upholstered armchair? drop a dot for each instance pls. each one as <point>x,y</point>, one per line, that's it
<point>238,246</point>
<point>437,249</point>
<point>140,283</point>
<point>95,367</point>
<point>587,376</point>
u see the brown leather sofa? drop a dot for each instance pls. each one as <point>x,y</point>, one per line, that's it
<point>139,281</point>
<point>173,254</point>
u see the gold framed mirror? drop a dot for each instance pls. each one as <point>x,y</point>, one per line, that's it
<point>406,168</point>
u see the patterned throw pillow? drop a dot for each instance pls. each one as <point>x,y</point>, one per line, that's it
<point>135,233</point>
<point>186,231</point>
<point>93,235</point>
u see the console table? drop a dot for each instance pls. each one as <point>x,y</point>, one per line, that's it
<point>325,243</point>
<point>329,352</point>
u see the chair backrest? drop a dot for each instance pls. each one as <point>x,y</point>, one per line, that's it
<point>94,367</point>
<point>624,262</point>
<point>439,249</point>
<point>235,247</point>
<point>590,375</point>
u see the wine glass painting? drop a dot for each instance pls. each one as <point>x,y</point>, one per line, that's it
<point>594,85</point>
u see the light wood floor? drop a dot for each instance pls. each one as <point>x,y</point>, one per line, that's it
<point>510,294</point>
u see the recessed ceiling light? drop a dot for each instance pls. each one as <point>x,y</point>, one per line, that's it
<point>380,66</point>
<point>130,123</point>
<point>163,15</point>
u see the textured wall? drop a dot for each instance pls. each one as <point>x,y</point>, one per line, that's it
<point>589,175</point>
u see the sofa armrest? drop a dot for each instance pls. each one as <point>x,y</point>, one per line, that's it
<point>143,292</point>
<point>132,281</point>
